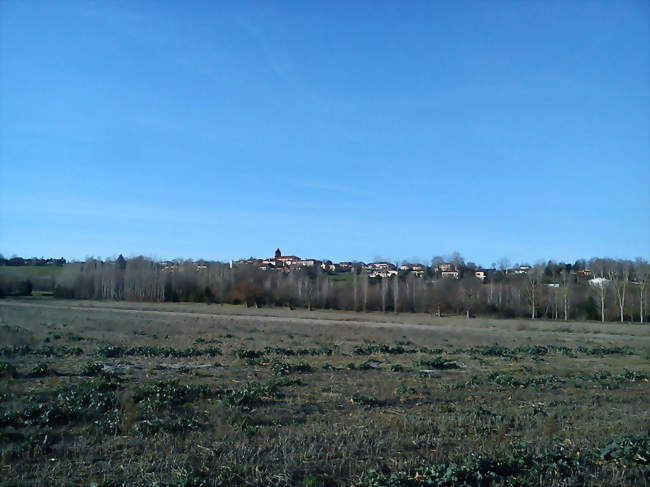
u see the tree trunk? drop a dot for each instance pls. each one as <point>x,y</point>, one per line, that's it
<point>395,294</point>
<point>641,289</point>
<point>533,301</point>
<point>365,292</point>
<point>641,304</point>
<point>621,300</point>
<point>354,283</point>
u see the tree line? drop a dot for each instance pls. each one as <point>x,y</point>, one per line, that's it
<point>20,276</point>
<point>17,261</point>
<point>599,289</point>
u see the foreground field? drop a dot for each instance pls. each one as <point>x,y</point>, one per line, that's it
<point>107,394</point>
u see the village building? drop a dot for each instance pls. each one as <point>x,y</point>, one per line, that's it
<point>381,266</point>
<point>450,274</point>
<point>445,267</point>
<point>382,273</point>
<point>522,269</point>
<point>599,282</point>
<point>481,274</point>
<point>343,267</point>
<point>417,269</point>
<point>328,266</point>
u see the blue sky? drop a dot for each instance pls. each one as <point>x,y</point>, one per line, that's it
<point>342,130</point>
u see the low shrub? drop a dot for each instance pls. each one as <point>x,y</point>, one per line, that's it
<point>7,370</point>
<point>243,353</point>
<point>150,427</point>
<point>385,349</point>
<point>364,400</point>
<point>522,466</point>
<point>436,363</point>
<point>283,368</point>
<point>92,369</point>
<point>46,351</point>
<point>40,370</point>
<point>159,395</point>
<point>116,351</point>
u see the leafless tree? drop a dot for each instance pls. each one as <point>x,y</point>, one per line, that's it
<point>469,293</point>
<point>395,294</point>
<point>565,283</point>
<point>534,281</point>
<point>384,293</point>
<point>355,286</point>
<point>642,275</point>
<point>553,290</point>
<point>600,282</point>
<point>619,276</point>
<point>364,277</point>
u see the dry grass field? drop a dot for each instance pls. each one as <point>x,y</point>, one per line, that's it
<point>104,394</point>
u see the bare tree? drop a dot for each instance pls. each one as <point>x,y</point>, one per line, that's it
<point>384,293</point>
<point>534,281</point>
<point>599,282</point>
<point>504,265</point>
<point>565,283</point>
<point>619,275</point>
<point>519,293</point>
<point>395,293</point>
<point>355,286</point>
<point>364,275</point>
<point>642,274</point>
<point>469,293</point>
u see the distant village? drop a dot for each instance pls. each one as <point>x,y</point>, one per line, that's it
<point>444,270</point>
<point>582,290</point>
<point>289,263</point>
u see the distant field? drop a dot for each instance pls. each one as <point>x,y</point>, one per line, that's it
<point>30,271</point>
<point>191,394</point>
<point>41,277</point>
<point>341,279</point>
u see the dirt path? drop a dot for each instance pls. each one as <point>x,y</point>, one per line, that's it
<point>638,336</point>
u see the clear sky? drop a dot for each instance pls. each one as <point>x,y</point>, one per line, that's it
<point>342,130</point>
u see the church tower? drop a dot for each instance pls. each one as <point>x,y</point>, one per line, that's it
<point>278,254</point>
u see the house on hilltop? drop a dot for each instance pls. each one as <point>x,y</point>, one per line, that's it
<point>480,274</point>
<point>450,274</point>
<point>381,269</point>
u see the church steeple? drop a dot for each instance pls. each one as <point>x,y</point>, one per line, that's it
<point>278,254</point>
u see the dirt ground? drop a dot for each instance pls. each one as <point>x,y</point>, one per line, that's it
<point>193,394</point>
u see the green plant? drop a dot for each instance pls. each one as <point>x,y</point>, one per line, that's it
<point>364,400</point>
<point>405,390</point>
<point>243,353</point>
<point>385,349</point>
<point>283,368</point>
<point>40,370</point>
<point>8,370</point>
<point>523,466</point>
<point>164,394</point>
<point>148,427</point>
<point>436,363</point>
<point>92,369</point>
<point>114,351</point>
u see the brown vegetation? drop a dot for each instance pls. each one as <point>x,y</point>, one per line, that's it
<point>603,289</point>
<point>191,394</point>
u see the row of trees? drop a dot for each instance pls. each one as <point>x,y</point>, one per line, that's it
<point>16,261</point>
<point>612,290</point>
<point>618,288</point>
